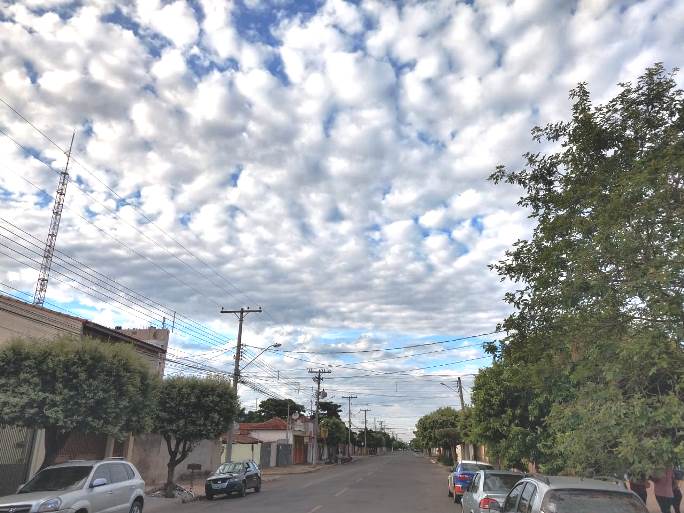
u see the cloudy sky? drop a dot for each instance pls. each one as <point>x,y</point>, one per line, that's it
<point>326,160</point>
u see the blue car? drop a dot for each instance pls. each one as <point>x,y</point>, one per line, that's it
<point>462,475</point>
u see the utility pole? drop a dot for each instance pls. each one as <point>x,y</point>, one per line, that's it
<point>349,398</point>
<point>240,314</point>
<point>317,379</point>
<point>46,264</point>
<point>460,392</point>
<point>365,431</point>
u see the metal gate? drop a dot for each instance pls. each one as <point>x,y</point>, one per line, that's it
<point>265,456</point>
<point>284,456</point>
<point>16,444</point>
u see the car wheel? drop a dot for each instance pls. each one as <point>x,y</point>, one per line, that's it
<point>243,489</point>
<point>136,507</point>
<point>257,488</point>
<point>210,497</point>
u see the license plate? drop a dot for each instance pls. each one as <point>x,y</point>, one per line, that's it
<point>216,486</point>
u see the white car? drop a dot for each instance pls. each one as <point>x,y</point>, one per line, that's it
<point>98,486</point>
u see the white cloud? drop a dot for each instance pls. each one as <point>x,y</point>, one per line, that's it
<point>345,191</point>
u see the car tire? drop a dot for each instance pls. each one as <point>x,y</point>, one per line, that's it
<point>136,507</point>
<point>257,488</point>
<point>243,489</point>
<point>210,496</point>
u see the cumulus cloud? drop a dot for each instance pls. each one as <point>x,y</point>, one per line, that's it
<point>330,165</point>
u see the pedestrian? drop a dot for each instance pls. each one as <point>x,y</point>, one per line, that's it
<point>639,486</point>
<point>662,487</point>
<point>676,494</point>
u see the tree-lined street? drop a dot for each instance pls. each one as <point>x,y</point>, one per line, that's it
<point>398,483</point>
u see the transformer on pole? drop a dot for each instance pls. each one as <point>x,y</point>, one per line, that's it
<point>46,264</point>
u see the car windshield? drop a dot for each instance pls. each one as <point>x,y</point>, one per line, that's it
<point>474,467</point>
<point>500,482</point>
<point>58,479</point>
<point>591,501</point>
<point>229,468</point>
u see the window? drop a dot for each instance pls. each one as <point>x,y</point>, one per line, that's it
<point>500,482</point>
<point>118,471</point>
<point>512,500</point>
<point>474,467</point>
<point>592,501</point>
<point>475,484</point>
<point>129,472</point>
<point>58,479</point>
<point>102,472</point>
<point>527,498</point>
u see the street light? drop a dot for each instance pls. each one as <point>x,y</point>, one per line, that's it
<point>262,352</point>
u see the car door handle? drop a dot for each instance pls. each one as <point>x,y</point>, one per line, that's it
<point>110,493</point>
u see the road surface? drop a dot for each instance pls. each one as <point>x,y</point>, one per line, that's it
<point>396,483</point>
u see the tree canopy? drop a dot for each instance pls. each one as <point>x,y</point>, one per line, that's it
<point>443,428</point>
<point>70,385</point>
<point>269,408</point>
<point>190,410</point>
<point>589,377</point>
<point>329,409</point>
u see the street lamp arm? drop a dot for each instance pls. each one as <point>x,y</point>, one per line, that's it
<point>257,356</point>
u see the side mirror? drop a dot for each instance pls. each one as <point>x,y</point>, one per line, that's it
<point>100,481</point>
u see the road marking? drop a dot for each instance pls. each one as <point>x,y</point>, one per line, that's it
<point>341,492</point>
<point>316,508</point>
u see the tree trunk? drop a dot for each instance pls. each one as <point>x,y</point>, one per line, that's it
<point>55,441</point>
<point>170,486</point>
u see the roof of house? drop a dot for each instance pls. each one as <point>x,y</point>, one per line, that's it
<point>274,424</point>
<point>245,439</point>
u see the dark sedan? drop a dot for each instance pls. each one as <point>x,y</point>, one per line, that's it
<point>233,478</point>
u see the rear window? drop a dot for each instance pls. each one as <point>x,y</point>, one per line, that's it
<point>474,467</point>
<point>591,501</point>
<point>500,482</point>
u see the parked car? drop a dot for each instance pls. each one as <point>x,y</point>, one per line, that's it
<point>487,487</point>
<point>461,476</point>
<point>233,477</point>
<point>111,485</point>
<point>553,494</point>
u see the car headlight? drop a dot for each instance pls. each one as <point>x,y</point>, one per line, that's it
<point>51,504</point>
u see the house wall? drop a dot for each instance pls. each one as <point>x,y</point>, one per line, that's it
<point>269,435</point>
<point>150,456</point>
<point>19,320</point>
<point>244,452</point>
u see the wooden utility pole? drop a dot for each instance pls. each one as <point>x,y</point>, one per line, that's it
<point>460,392</point>
<point>240,314</point>
<point>317,379</point>
<point>365,431</point>
<point>349,398</point>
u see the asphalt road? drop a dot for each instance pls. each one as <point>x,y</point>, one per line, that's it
<point>402,482</point>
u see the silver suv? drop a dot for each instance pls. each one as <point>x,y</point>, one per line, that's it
<point>556,494</point>
<point>111,486</point>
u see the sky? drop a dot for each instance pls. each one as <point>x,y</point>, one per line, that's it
<point>325,160</point>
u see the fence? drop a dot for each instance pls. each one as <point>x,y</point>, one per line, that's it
<point>16,444</point>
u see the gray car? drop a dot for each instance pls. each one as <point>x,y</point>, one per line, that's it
<point>93,486</point>
<point>556,494</point>
<point>233,477</point>
<point>488,486</point>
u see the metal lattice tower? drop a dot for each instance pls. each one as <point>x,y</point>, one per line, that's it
<point>46,264</point>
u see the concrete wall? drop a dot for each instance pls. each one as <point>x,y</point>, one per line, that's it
<point>150,456</point>
<point>244,452</point>
<point>19,320</point>
<point>269,435</point>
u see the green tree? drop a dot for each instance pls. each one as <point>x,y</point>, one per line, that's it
<point>329,409</point>
<point>190,410</point>
<point>336,433</point>
<point>440,429</point>
<point>70,385</point>
<point>598,321</point>
<point>270,408</point>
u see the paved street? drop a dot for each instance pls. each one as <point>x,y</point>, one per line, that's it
<point>387,484</point>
